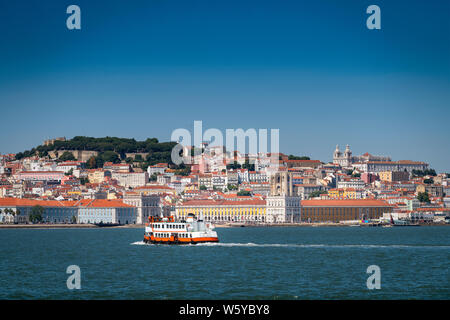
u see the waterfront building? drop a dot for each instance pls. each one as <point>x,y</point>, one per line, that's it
<point>106,211</point>
<point>83,211</point>
<point>341,210</point>
<point>146,205</point>
<point>53,211</point>
<point>253,210</point>
<point>283,205</point>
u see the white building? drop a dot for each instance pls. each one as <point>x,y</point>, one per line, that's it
<point>131,179</point>
<point>156,169</point>
<point>351,183</point>
<point>146,205</point>
<point>380,166</point>
<point>282,204</point>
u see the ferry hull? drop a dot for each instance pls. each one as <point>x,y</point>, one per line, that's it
<point>180,241</point>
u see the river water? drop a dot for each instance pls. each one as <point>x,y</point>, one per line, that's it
<point>248,263</point>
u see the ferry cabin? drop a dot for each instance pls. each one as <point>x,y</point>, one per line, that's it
<point>164,232</point>
<point>178,232</point>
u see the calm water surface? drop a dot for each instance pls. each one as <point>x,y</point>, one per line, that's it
<point>249,263</point>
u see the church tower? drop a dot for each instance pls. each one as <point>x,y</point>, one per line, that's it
<point>347,156</point>
<point>343,159</point>
<point>282,205</point>
<point>337,155</point>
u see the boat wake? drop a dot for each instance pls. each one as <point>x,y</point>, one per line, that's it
<point>138,243</point>
<point>325,246</point>
<point>293,245</point>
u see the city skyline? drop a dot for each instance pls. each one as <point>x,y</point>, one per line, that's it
<point>314,71</point>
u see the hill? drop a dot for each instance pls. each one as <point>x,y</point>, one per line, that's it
<point>113,149</point>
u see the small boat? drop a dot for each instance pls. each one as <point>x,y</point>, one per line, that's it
<point>402,223</point>
<point>102,224</point>
<point>168,231</point>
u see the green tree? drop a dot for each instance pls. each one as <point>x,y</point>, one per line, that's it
<point>248,166</point>
<point>36,214</point>
<point>234,165</point>
<point>292,157</point>
<point>426,172</point>
<point>67,156</point>
<point>244,193</point>
<point>91,163</point>
<point>317,193</point>
<point>423,197</point>
<point>203,187</point>
<point>428,181</point>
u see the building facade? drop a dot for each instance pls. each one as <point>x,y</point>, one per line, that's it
<point>146,205</point>
<point>283,205</point>
<point>342,210</point>
<point>246,211</point>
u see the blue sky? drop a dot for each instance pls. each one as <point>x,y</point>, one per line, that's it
<point>309,68</point>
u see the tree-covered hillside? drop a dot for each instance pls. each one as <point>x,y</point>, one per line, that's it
<point>110,149</point>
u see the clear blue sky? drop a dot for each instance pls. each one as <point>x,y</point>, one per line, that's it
<point>310,68</point>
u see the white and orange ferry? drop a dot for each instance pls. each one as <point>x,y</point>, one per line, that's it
<point>169,231</point>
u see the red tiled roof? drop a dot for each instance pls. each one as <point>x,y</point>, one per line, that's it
<point>346,203</point>
<point>209,202</point>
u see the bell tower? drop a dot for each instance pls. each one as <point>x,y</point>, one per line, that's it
<point>282,205</point>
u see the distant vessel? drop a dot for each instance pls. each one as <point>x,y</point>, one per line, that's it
<point>402,223</point>
<point>189,231</point>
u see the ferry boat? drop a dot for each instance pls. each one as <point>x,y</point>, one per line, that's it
<point>189,231</point>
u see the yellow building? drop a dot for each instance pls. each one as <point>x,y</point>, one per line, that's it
<point>336,193</point>
<point>97,176</point>
<point>393,176</point>
<point>344,193</point>
<point>224,210</point>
